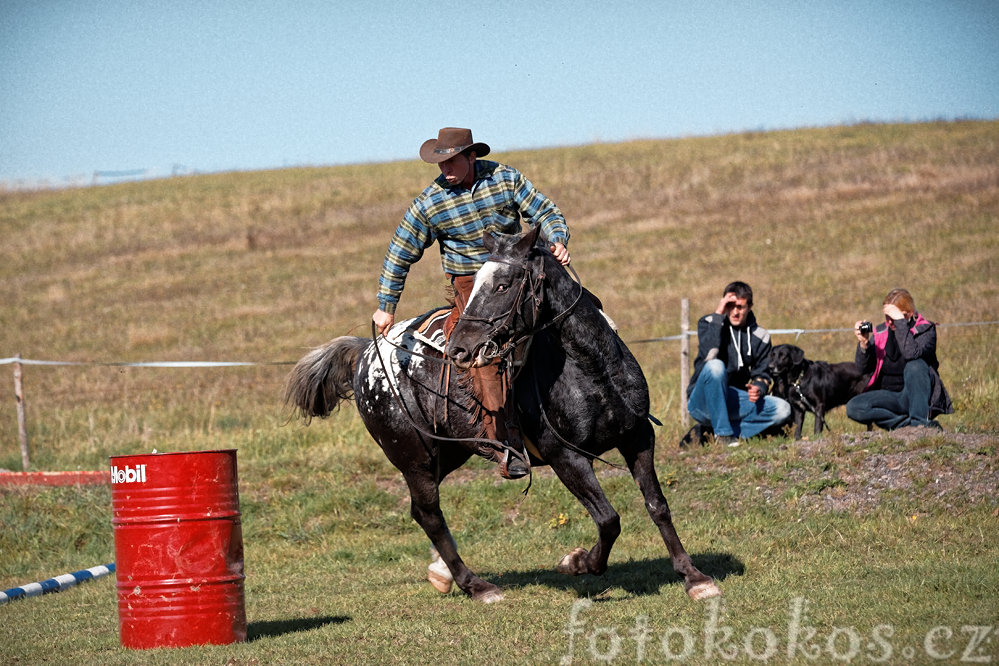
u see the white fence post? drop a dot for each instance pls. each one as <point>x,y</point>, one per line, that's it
<point>684,359</point>
<point>22,427</point>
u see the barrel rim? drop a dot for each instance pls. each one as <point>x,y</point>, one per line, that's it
<point>169,453</point>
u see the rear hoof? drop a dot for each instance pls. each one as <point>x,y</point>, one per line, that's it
<point>440,576</point>
<point>574,563</point>
<point>704,590</point>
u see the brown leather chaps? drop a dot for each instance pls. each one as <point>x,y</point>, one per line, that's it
<point>489,382</point>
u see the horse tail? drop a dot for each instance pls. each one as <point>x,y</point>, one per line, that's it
<point>324,377</point>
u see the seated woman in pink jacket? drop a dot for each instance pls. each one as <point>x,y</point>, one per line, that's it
<point>901,355</point>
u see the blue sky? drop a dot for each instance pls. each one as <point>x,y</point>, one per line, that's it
<point>115,85</point>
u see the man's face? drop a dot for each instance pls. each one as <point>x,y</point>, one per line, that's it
<point>739,312</point>
<point>458,169</point>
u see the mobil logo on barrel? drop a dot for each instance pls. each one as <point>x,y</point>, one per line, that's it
<point>128,475</point>
<point>178,549</point>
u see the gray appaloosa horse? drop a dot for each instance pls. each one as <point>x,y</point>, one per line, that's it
<point>578,390</point>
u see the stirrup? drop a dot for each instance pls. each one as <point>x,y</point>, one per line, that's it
<point>514,464</point>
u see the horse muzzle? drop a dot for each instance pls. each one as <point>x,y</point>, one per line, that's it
<point>483,354</point>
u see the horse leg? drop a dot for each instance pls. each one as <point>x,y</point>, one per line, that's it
<point>426,511</point>
<point>437,572</point>
<point>698,585</point>
<point>579,478</point>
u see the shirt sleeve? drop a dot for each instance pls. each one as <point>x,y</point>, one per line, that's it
<point>412,237</point>
<point>709,328</point>
<point>540,210</point>
<point>864,359</point>
<point>915,346</point>
<point>760,373</point>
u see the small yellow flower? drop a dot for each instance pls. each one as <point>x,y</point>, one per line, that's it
<point>559,521</point>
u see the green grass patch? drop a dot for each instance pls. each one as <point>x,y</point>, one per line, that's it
<point>881,545</point>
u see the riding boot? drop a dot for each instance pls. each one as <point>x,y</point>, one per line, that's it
<point>516,463</point>
<point>495,415</point>
<point>511,460</point>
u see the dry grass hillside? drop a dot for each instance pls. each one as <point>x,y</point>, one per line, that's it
<point>261,266</point>
<point>871,544</point>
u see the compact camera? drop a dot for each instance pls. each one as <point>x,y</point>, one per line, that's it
<point>865,327</point>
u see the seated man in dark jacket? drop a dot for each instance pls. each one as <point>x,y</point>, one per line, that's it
<point>901,355</point>
<point>728,390</point>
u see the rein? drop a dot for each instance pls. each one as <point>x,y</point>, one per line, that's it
<point>534,292</point>
<point>402,403</point>
<point>409,417</point>
<point>529,288</point>
<point>443,359</point>
<point>569,445</point>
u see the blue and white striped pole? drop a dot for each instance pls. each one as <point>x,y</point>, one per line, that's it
<point>56,584</point>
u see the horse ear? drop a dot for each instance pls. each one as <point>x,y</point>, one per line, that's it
<point>489,241</point>
<point>528,240</point>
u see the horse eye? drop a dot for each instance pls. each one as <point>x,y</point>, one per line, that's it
<point>501,288</point>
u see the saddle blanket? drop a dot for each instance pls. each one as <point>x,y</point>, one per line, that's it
<point>429,328</point>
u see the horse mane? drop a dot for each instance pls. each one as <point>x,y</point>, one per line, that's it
<point>461,393</point>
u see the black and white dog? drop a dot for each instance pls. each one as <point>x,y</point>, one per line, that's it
<point>812,386</point>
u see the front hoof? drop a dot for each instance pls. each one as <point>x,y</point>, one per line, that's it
<point>574,563</point>
<point>704,590</point>
<point>440,576</point>
<point>490,596</point>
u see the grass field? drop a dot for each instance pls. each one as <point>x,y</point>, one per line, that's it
<point>855,547</point>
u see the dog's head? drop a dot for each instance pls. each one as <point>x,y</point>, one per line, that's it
<point>785,359</point>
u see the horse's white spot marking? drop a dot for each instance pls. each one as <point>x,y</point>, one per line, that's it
<point>415,362</point>
<point>378,382</point>
<point>610,322</point>
<point>484,279</point>
<point>440,576</point>
<point>390,354</point>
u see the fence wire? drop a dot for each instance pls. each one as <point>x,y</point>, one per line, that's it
<point>796,332</point>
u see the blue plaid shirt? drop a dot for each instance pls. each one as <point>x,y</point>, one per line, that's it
<point>455,217</point>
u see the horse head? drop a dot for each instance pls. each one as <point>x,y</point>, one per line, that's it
<point>504,301</point>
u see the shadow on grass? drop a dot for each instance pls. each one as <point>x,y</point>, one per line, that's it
<point>270,629</point>
<point>637,577</point>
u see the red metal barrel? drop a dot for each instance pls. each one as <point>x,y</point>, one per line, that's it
<point>178,549</point>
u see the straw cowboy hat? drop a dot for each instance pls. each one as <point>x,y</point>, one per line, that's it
<point>449,142</point>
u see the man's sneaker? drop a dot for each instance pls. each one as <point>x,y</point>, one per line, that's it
<point>727,440</point>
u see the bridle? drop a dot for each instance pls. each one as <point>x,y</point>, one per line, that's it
<point>531,288</point>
